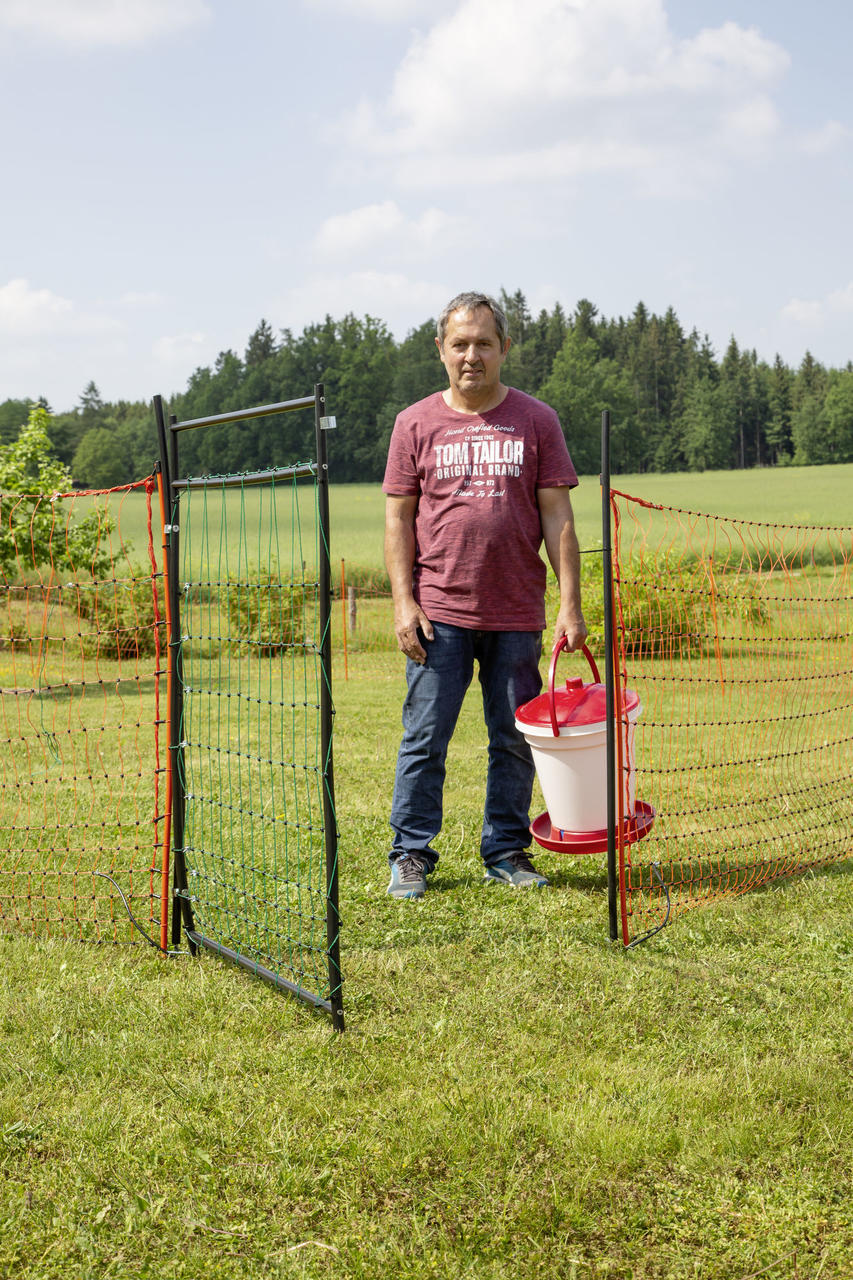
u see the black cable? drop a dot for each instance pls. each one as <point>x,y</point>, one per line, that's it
<point>655,866</point>
<point>156,945</point>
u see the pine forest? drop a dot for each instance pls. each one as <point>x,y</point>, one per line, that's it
<point>676,404</point>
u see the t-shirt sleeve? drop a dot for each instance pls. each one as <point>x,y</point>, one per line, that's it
<point>555,466</point>
<point>401,468</point>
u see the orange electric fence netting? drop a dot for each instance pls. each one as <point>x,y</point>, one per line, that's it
<point>737,637</point>
<point>82,643</point>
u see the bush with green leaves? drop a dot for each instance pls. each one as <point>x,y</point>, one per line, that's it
<point>666,603</point>
<point>34,530</point>
<point>124,616</point>
<point>266,611</point>
<point>365,580</point>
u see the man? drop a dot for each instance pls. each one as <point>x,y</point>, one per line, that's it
<point>477,476</point>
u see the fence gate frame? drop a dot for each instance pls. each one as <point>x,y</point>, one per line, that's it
<point>173,486</point>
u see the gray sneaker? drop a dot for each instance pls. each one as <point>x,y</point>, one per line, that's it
<point>408,877</point>
<point>517,871</point>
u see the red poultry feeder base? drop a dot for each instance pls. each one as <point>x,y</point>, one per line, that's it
<point>581,842</point>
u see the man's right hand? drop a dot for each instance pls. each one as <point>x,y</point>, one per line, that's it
<point>408,621</point>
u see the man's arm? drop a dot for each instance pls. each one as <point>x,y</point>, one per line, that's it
<point>399,561</point>
<point>561,544</point>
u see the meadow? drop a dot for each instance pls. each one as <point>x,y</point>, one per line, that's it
<point>514,1096</point>
<point>786,495</point>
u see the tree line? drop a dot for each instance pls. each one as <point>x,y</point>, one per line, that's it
<point>675,405</point>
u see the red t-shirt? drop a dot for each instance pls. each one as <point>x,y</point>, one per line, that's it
<point>477,525</point>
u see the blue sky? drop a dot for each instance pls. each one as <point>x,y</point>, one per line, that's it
<point>175,170</point>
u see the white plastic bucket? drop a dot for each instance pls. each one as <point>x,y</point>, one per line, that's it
<point>571,765</point>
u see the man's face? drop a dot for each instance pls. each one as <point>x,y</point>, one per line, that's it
<point>472,353</point>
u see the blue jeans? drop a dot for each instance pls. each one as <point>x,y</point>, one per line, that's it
<point>509,676</point>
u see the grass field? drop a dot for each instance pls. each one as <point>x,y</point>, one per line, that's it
<point>788,495</point>
<point>514,1097</point>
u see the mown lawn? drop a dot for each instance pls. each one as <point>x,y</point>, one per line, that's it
<point>785,495</point>
<point>514,1096</point>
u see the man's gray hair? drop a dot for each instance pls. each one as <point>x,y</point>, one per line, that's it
<point>470,302</point>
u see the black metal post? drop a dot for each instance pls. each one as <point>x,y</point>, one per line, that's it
<point>179,796</point>
<point>169,465</point>
<point>322,423</point>
<point>609,680</point>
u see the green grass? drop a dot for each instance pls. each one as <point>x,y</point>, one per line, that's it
<point>514,1096</point>
<point>786,495</point>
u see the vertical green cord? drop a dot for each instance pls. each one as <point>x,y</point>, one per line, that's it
<point>255,839</point>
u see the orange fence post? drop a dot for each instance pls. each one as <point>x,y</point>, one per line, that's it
<point>344,616</point>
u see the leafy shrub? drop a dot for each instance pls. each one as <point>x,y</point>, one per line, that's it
<point>33,528</point>
<point>367,581</point>
<point>123,615</point>
<point>16,634</point>
<point>668,603</point>
<point>266,611</point>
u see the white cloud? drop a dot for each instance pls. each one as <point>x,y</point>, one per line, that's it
<point>594,85</point>
<point>95,23</point>
<point>180,350</point>
<point>831,135</point>
<point>725,57</point>
<point>815,313</point>
<point>142,299</point>
<point>390,296</point>
<point>803,313</point>
<point>381,226</point>
<point>380,10</point>
<point>751,121</point>
<point>24,310</point>
<point>27,312</point>
<point>841,300</point>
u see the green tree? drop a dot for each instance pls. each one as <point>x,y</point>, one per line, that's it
<point>358,384</point>
<point>32,482</point>
<point>705,426</point>
<point>13,415</point>
<point>517,312</point>
<point>260,347</point>
<point>417,368</point>
<point>810,380</point>
<point>91,406</point>
<point>102,459</point>
<point>417,374</point>
<point>519,366</point>
<point>809,432</point>
<point>227,448</point>
<point>838,409</point>
<point>581,385</point>
<point>779,404</point>
<point>733,401</point>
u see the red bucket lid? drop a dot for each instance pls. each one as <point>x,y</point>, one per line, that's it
<point>577,705</point>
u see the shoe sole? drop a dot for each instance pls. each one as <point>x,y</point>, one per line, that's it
<point>404,893</point>
<point>525,884</point>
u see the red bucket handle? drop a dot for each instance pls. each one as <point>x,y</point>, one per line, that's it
<point>552,703</point>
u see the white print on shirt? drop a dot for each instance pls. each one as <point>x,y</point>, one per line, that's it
<point>476,428</point>
<point>476,458</point>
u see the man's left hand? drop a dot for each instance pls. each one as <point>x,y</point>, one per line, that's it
<point>574,628</point>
